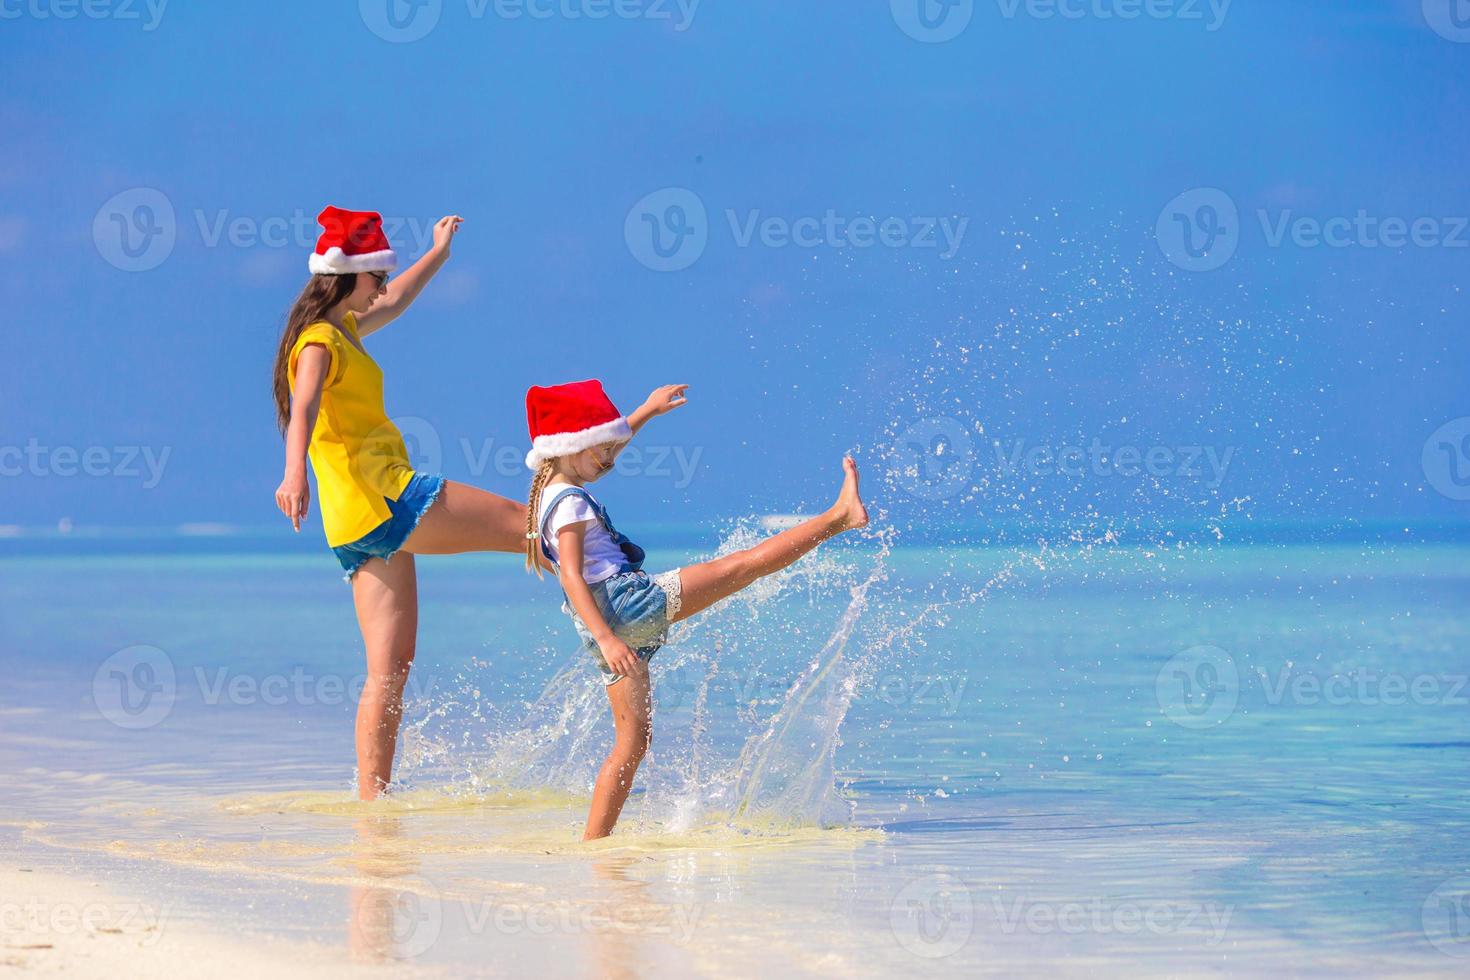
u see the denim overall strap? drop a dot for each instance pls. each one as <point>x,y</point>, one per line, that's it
<point>551,509</point>
<point>632,554</point>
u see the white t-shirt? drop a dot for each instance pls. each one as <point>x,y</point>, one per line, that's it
<point>601,556</point>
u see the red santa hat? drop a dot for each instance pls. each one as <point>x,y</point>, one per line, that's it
<point>566,419</point>
<point>352,241</point>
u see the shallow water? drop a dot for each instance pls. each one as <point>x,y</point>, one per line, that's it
<point>1214,758</point>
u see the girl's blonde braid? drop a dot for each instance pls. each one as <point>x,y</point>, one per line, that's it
<point>533,508</point>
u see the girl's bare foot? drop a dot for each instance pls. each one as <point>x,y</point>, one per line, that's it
<point>848,512</point>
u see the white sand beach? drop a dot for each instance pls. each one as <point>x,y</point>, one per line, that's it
<point>54,924</point>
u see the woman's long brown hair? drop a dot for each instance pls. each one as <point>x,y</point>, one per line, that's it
<point>316,300</point>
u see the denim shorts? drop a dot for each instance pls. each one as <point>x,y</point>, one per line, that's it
<point>384,540</point>
<point>639,607</point>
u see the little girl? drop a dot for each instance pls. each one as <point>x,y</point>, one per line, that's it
<point>621,613</point>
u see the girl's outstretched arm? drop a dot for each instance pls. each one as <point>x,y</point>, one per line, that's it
<point>619,656</point>
<point>293,496</point>
<point>660,401</point>
<point>405,287</point>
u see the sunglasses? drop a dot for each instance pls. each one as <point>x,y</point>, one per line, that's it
<point>381,278</point>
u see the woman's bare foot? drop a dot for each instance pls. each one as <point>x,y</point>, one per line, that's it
<point>848,513</point>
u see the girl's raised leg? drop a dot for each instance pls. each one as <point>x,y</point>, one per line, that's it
<point>387,599</point>
<point>633,719</point>
<point>466,518</point>
<point>707,583</point>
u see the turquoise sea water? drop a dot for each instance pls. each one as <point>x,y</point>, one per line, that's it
<point>1079,756</point>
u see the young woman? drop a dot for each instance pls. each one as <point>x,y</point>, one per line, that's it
<point>377,512</point>
<point>620,612</point>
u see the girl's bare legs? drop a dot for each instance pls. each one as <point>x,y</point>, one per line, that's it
<point>633,719</point>
<point>705,584</point>
<point>466,518</point>
<point>387,598</point>
<point>702,586</point>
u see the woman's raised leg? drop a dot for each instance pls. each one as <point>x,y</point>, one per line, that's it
<point>633,720</point>
<point>387,599</point>
<point>466,518</point>
<point>707,583</point>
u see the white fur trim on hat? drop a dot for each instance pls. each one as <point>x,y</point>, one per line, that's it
<point>566,443</point>
<point>337,262</point>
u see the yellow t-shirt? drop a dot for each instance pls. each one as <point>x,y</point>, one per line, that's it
<point>357,454</point>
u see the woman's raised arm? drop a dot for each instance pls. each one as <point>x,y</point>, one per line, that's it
<point>405,287</point>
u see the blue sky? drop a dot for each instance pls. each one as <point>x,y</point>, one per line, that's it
<point>1058,152</point>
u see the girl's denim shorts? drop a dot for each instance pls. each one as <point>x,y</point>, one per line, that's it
<point>639,607</point>
<point>384,540</point>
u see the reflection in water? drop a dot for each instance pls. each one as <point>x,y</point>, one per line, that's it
<point>399,918</point>
<point>612,946</point>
